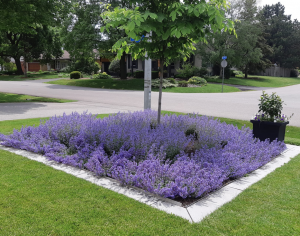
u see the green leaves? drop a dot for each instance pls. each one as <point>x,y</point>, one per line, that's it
<point>131,26</point>
<point>173,15</point>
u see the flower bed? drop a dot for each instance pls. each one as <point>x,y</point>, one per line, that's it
<point>183,157</point>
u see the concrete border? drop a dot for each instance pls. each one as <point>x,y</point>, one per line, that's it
<point>193,213</point>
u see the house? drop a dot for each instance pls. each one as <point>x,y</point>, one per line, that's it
<point>56,64</point>
<point>138,65</point>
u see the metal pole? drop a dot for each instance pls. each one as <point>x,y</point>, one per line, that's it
<point>147,80</point>
<point>147,84</point>
<point>223,79</point>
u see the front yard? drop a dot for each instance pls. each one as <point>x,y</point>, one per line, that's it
<point>38,200</point>
<point>259,81</point>
<point>138,84</point>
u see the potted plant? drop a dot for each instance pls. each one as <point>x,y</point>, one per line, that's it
<point>270,123</point>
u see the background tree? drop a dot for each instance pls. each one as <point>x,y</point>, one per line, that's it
<point>282,35</point>
<point>81,32</point>
<point>26,28</point>
<point>175,25</point>
<point>245,51</point>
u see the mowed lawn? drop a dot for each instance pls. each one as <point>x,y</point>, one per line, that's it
<point>11,97</point>
<point>259,81</point>
<point>38,200</point>
<point>33,76</point>
<point>138,84</point>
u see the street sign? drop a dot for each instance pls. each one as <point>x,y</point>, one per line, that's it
<point>132,40</point>
<point>224,63</point>
<point>224,57</point>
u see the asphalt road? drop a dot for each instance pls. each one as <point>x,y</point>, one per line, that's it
<point>239,105</point>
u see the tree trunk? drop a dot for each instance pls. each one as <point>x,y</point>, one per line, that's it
<point>19,67</point>
<point>246,72</point>
<point>123,71</point>
<point>160,89</point>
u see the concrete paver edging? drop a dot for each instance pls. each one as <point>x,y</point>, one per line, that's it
<point>193,213</point>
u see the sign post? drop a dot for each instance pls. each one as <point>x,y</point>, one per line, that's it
<point>147,77</point>
<point>223,64</point>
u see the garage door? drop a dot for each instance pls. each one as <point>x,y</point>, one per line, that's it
<point>33,66</point>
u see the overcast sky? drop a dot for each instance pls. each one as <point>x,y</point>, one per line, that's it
<point>292,7</point>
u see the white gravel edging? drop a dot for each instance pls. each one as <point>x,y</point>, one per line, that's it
<point>194,213</point>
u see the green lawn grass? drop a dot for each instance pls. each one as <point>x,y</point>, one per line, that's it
<point>10,97</point>
<point>138,84</point>
<point>36,76</point>
<point>38,200</point>
<point>260,81</point>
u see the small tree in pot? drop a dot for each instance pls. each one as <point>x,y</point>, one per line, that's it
<point>270,123</point>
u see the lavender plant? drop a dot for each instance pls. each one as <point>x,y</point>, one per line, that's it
<point>184,156</point>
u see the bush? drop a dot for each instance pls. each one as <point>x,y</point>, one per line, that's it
<point>203,71</point>
<point>188,71</point>
<point>294,73</point>
<point>227,72</point>
<point>154,74</point>
<point>114,66</point>
<point>172,80</point>
<point>102,76</point>
<point>75,75</point>
<point>166,83</point>
<point>238,74</point>
<point>86,65</point>
<point>197,80</point>
<point>66,69</point>
<point>138,74</point>
<point>183,84</point>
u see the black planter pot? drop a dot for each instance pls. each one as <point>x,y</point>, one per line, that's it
<point>268,130</point>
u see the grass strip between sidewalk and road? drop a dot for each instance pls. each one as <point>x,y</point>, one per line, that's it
<point>138,84</point>
<point>10,97</point>
<point>38,200</point>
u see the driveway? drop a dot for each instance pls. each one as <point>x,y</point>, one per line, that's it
<point>239,105</point>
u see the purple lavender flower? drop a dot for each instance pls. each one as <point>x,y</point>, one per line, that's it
<point>184,156</point>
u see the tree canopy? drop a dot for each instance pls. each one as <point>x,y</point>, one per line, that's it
<point>175,27</point>
<point>27,28</point>
<point>282,35</point>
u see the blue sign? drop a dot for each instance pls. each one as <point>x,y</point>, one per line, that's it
<point>224,57</point>
<point>131,39</point>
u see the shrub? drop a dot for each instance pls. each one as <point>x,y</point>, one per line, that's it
<point>183,84</point>
<point>154,74</point>
<point>294,73</point>
<point>188,71</point>
<point>102,76</point>
<point>166,83</point>
<point>270,108</point>
<point>75,75</point>
<point>172,80</point>
<point>114,66</point>
<point>197,80</point>
<point>238,74</point>
<point>203,71</point>
<point>138,74</point>
<point>86,65</point>
<point>66,69</point>
<point>227,72</point>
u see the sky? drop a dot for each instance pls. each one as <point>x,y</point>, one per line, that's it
<point>291,6</point>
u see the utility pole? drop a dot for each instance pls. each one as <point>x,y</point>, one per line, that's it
<point>147,80</point>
